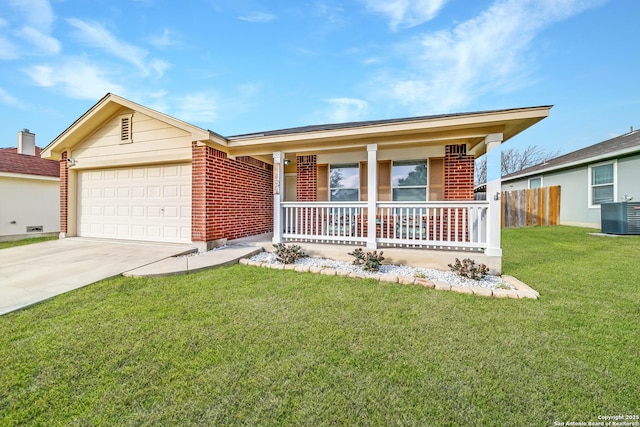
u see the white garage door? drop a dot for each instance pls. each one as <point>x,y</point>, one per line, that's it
<point>139,203</point>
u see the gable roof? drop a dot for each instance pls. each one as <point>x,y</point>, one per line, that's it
<point>24,164</point>
<point>106,108</point>
<point>459,128</point>
<point>615,147</point>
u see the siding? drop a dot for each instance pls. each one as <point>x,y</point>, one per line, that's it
<point>153,141</point>
<point>29,202</point>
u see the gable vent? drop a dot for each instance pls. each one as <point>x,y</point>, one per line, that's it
<point>125,128</point>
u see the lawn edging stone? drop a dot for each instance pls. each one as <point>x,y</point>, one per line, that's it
<point>520,291</point>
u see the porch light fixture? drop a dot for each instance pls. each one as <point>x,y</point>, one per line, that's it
<point>71,162</point>
<point>287,162</point>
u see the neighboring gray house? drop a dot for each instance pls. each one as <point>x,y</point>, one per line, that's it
<point>601,173</point>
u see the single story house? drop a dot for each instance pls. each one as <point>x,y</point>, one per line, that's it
<point>602,173</point>
<point>129,172</point>
<point>29,191</point>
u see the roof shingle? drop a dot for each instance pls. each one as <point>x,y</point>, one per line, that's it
<point>12,162</point>
<point>629,142</point>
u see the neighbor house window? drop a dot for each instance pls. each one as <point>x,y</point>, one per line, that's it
<point>602,183</point>
<point>409,181</point>
<point>344,183</point>
<point>535,182</point>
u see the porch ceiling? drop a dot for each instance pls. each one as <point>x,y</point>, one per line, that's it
<point>470,129</point>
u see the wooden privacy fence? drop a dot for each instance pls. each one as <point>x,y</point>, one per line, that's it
<point>531,207</point>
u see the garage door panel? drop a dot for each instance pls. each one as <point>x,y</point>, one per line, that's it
<point>171,212</point>
<point>137,192</point>
<point>154,212</point>
<point>171,232</point>
<point>170,191</point>
<point>140,203</point>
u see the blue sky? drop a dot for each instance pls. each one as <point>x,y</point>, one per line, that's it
<point>239,66</point>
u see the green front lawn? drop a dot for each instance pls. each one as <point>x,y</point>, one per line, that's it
<point>245,346</point>
<point>23,242</point>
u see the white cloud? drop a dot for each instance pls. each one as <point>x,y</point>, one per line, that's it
<point>95,35</point>
<point>258,17</point>
<point>487,53</point>
<point>333,13</point>
<point>76,77</point>
<point>37,13</point>
<point>38,18</point>
<point>196,107</point>
<point>203,108</point>
<point>8,50</point>
<point>164,40</point>
<point>346,109</point>
<point>7,98</point>
<point>46,43</point>
<point>406,13</point>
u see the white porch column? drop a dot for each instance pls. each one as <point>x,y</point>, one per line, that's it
<point>278,195</point>
<point>493,142</point>
<point>372,194</point>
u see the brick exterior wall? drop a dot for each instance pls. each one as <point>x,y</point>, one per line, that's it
<point>307,179</point>
<point>458,182</point>
<point>64,185</point>
<point>458,174</point>
<point>230,198</point>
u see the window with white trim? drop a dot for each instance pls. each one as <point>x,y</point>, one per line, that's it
<point>344,182</point>
<point>535,182</point>
<point>602,183</point>
<point>409,181</point>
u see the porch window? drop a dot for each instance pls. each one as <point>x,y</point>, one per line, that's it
<point>344,183</point>
<point>602,183</point>
<point>409,181</point>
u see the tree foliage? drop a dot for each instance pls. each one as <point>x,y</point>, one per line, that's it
<point>514,160</point>
<point>418,176</point>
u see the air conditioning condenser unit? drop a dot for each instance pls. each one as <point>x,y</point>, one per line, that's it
<point>620,218</point>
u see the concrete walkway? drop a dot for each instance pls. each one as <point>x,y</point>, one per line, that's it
<point>33,273</point>
<point>188,264</point>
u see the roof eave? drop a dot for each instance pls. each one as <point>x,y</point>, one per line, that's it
<point>569,165</point>
<point>108,106</point>
<point>509,122</point>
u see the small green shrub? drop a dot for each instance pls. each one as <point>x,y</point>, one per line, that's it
<point>370,261</point>
<point>288,254</point>
<point>420,275</point>
<point>468,268</point>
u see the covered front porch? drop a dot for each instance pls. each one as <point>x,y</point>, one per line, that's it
<point>397,185</point>
<point>426,225</point>
<point>388,213</point>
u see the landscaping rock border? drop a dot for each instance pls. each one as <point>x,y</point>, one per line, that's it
<point>521,289</point>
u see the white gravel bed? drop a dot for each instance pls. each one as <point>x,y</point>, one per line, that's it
<point>488,281</point>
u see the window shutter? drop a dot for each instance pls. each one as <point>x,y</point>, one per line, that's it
<point>436,179</point>
<point>363,182</point>
<point>384,180</point>
<point>322,193</point>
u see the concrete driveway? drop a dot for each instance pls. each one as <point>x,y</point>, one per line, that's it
<point>33,273</point>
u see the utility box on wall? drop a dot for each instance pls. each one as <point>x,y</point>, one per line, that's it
<point>620,218</point>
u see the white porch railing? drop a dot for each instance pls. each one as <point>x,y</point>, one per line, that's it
<point>433,225</point>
